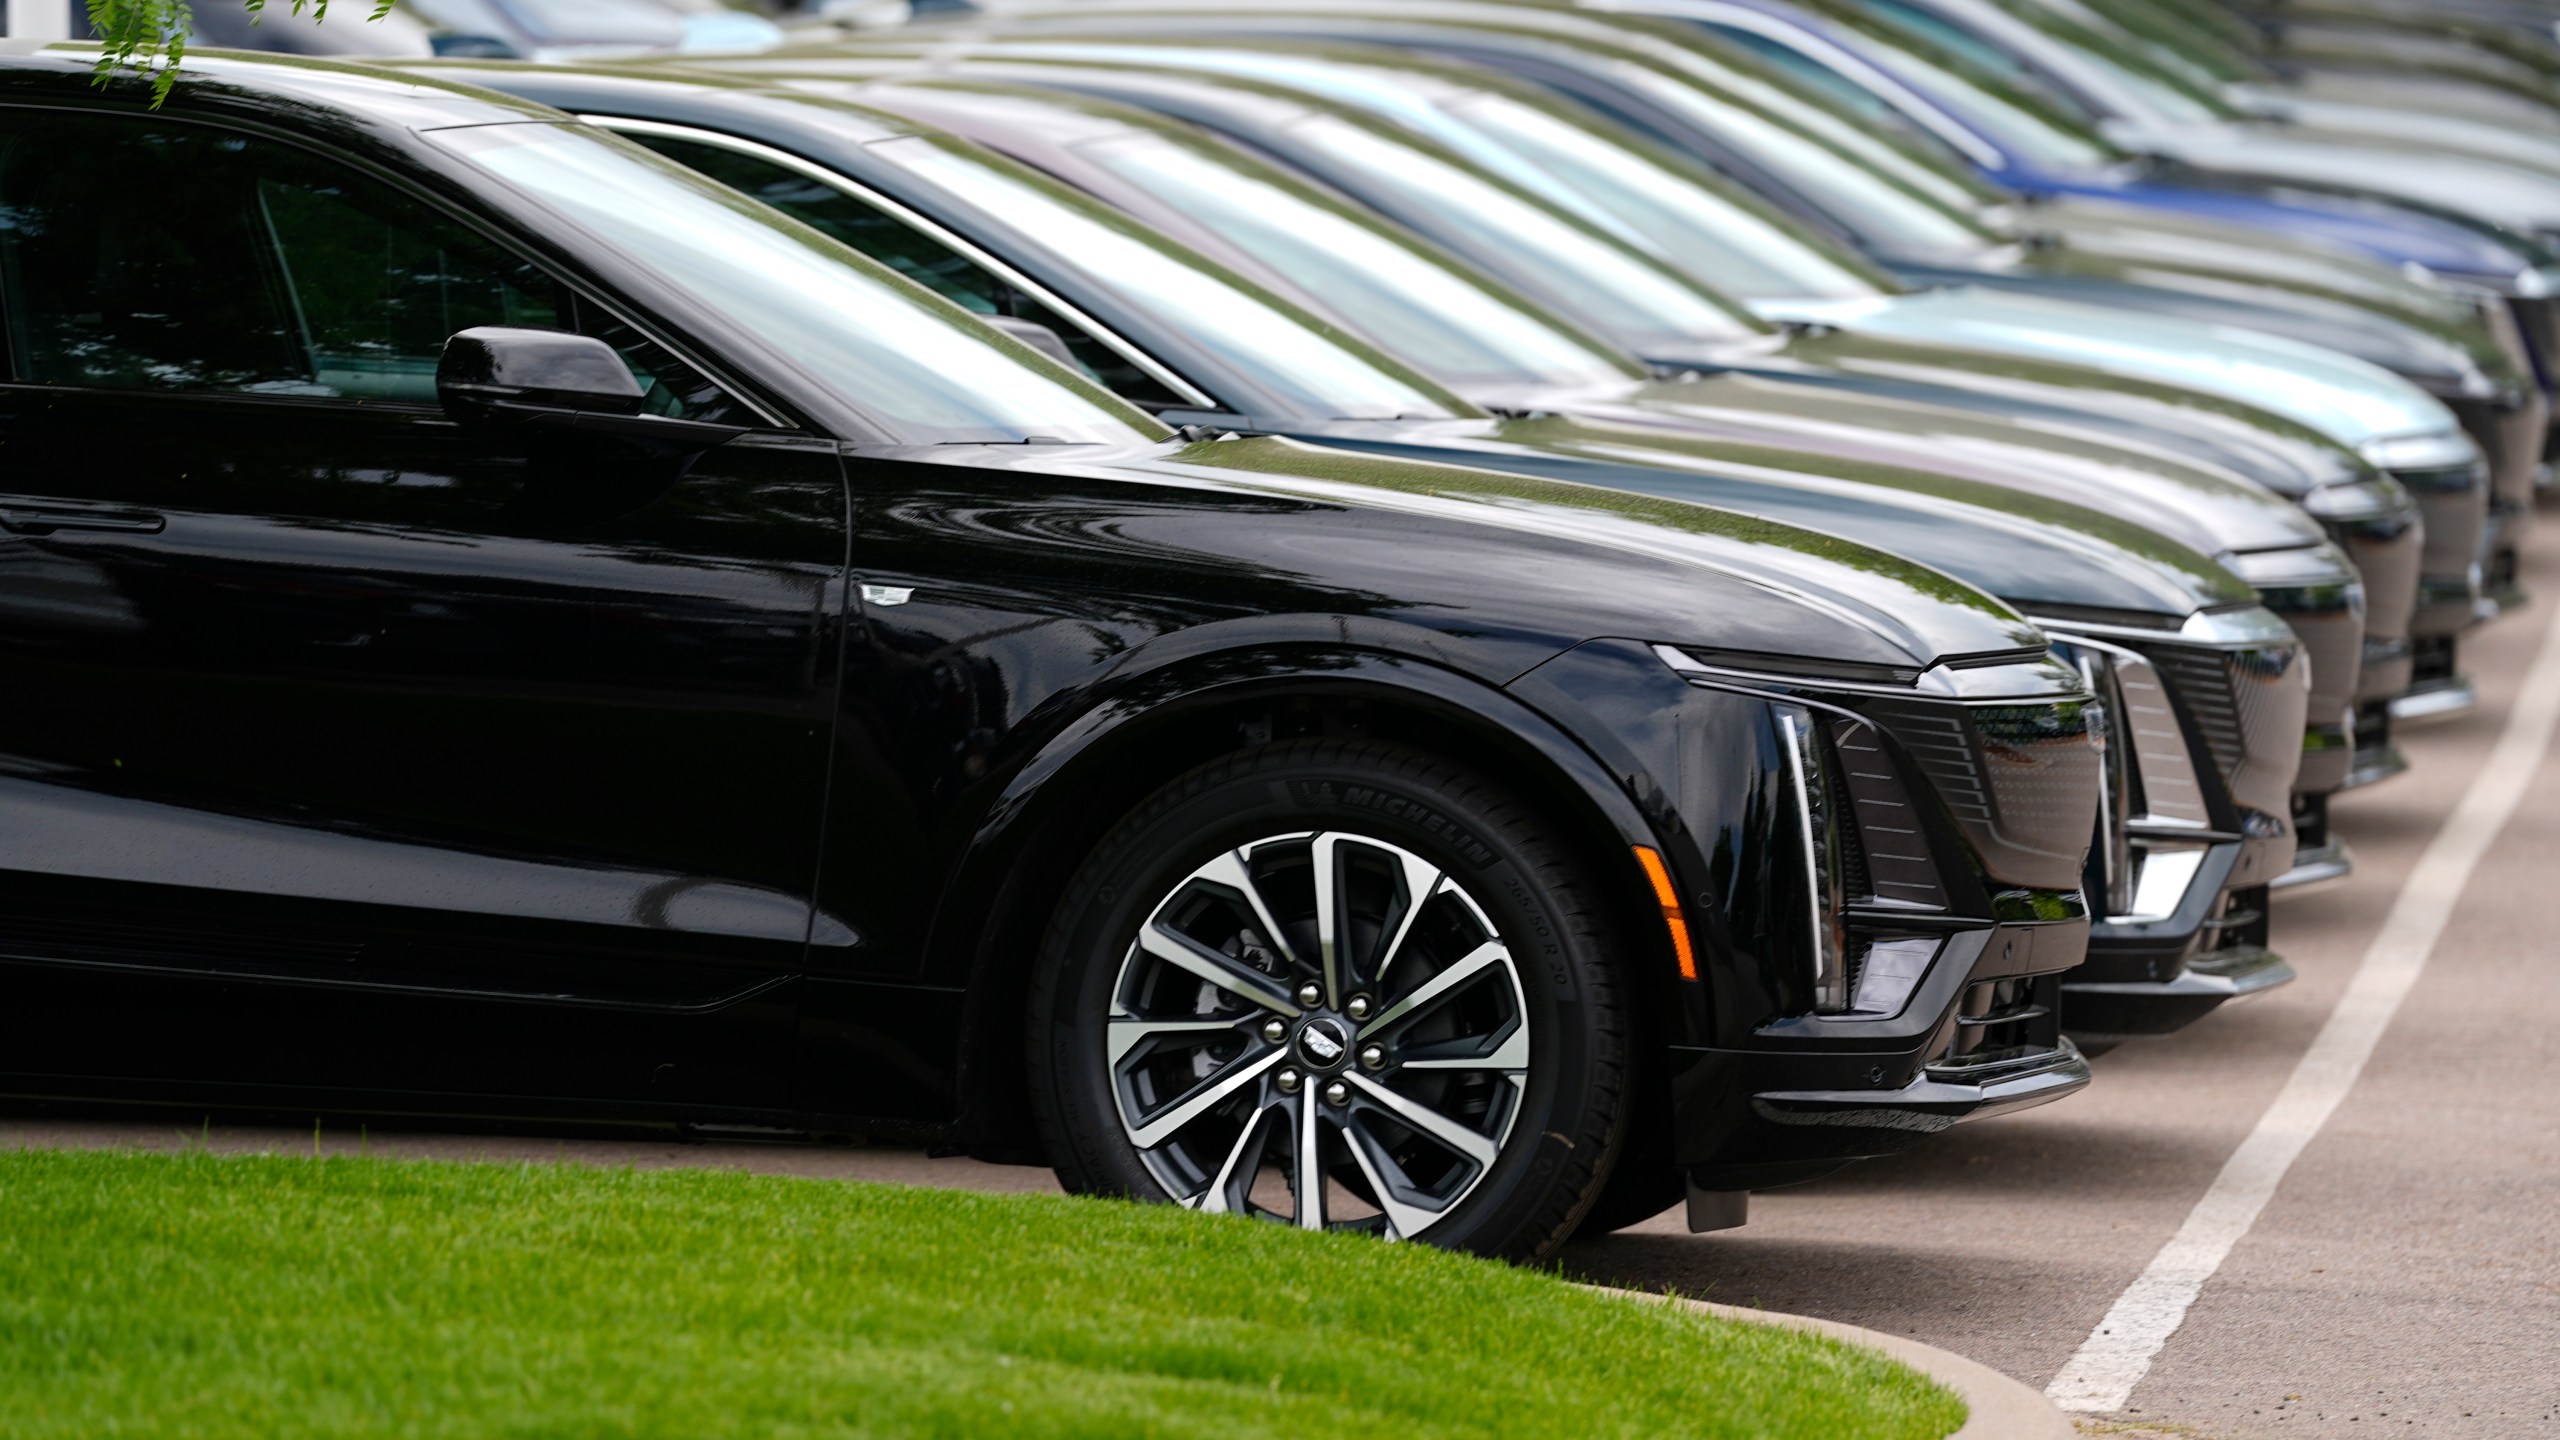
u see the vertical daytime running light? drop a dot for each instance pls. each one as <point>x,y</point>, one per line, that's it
<point>2114,841</point>
<point>1814,829</point>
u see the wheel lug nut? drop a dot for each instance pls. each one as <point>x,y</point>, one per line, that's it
<point>1310,995</point>
<point>1337,1093</point>
<point>1357,1007</point>
<point>1372,1056</point>
<point>1275,1029</point>
<point>1288,1081</point>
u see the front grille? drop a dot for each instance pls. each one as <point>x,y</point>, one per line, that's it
<point>2239,921</point>
<point>1886,854</point>
<point>2387,555</point>
<point>2001,1023</point>
<point>2454,503</point>
<point>2250,707</point>
<point>2201,679</point>
<point>2435,661</point>
<point>2330,623</point>
<point>2021,782</point>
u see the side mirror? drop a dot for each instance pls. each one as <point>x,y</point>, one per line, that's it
<point>472,47</point>
<point>578,414</point>
<point>1038,336</point>
<point>497,374</point>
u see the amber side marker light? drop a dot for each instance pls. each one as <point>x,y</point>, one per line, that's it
<point>1672,920</point>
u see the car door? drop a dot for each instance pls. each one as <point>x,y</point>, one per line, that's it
<point>345,745</point>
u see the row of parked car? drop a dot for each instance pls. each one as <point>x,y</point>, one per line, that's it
<point>1462,619</point>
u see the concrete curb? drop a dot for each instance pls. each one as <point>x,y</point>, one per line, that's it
<point>1997,1407</point>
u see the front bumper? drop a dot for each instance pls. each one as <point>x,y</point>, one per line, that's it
<point>2454,504</point>
<point>2437,688</point>
<point>2194,942</point>
<point>2512,432</point>
<point>2157,1007</point>
<point>1982,1037</point>
<point>1814,1131</point>
<point>2376,757</point>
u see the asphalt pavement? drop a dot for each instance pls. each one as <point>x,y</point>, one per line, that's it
<point>2404,1276</point>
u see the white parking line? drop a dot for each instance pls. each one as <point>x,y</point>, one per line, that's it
<point>2119,1352</point>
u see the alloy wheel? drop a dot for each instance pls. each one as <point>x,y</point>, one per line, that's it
<point>1320,1028</point>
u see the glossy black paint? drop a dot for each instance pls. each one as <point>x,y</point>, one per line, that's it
<point>387,761</point>
<point>2283,455</point>
<point>2037,552</point>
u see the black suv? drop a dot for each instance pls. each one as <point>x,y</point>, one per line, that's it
<point>499,625</point>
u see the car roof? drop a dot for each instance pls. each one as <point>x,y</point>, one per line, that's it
<point>668,92</point>
<point>242,83</point>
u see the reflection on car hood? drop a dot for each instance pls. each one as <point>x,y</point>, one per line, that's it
<point>1582,561</point>
<point>2349,401</point>
<point>2440,365</point>
<point>2364,225</point>
<point>2030,550</point>
<point>2205,509</point>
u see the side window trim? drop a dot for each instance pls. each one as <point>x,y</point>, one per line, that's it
<point>960,245</point>
<point>584,294</point>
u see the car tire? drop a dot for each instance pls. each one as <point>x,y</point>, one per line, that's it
<point>1455,1065</point>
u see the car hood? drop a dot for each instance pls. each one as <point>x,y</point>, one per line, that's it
<point>2345,122</point>
<point>1539,564</point>
<point>2525,200</point>
<point>2439,365</point>
<point>2361,225</point>
<point>2351,402</point>
<point>2204,508</point>
<point>2224,436</point>
<point>2095,237</point>
<point>2030,550</point>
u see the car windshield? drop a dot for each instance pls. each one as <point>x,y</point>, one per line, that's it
<point>2017,44</point>
<point>2023,131</point>
<point>1859,198</point>
<point>1459,329</point>
<point>1258,335</point>
<point>918,366</point>
<point>1707,234</point>
<point>1649,310</point>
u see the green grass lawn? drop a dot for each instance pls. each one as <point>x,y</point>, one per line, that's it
<point>154,1294</point>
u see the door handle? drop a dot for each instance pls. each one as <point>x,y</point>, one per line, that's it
<point>46,519</point>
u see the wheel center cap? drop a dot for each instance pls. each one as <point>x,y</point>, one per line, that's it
<point>1323,1043</point>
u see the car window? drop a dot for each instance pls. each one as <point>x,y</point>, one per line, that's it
<point>919,368</point>
<point>1461,328</point>
<point>1302,361</point>
<point>1649,309</point>
<point>1709,233</point>
<point>185,258</point>
<point>920,257</point>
